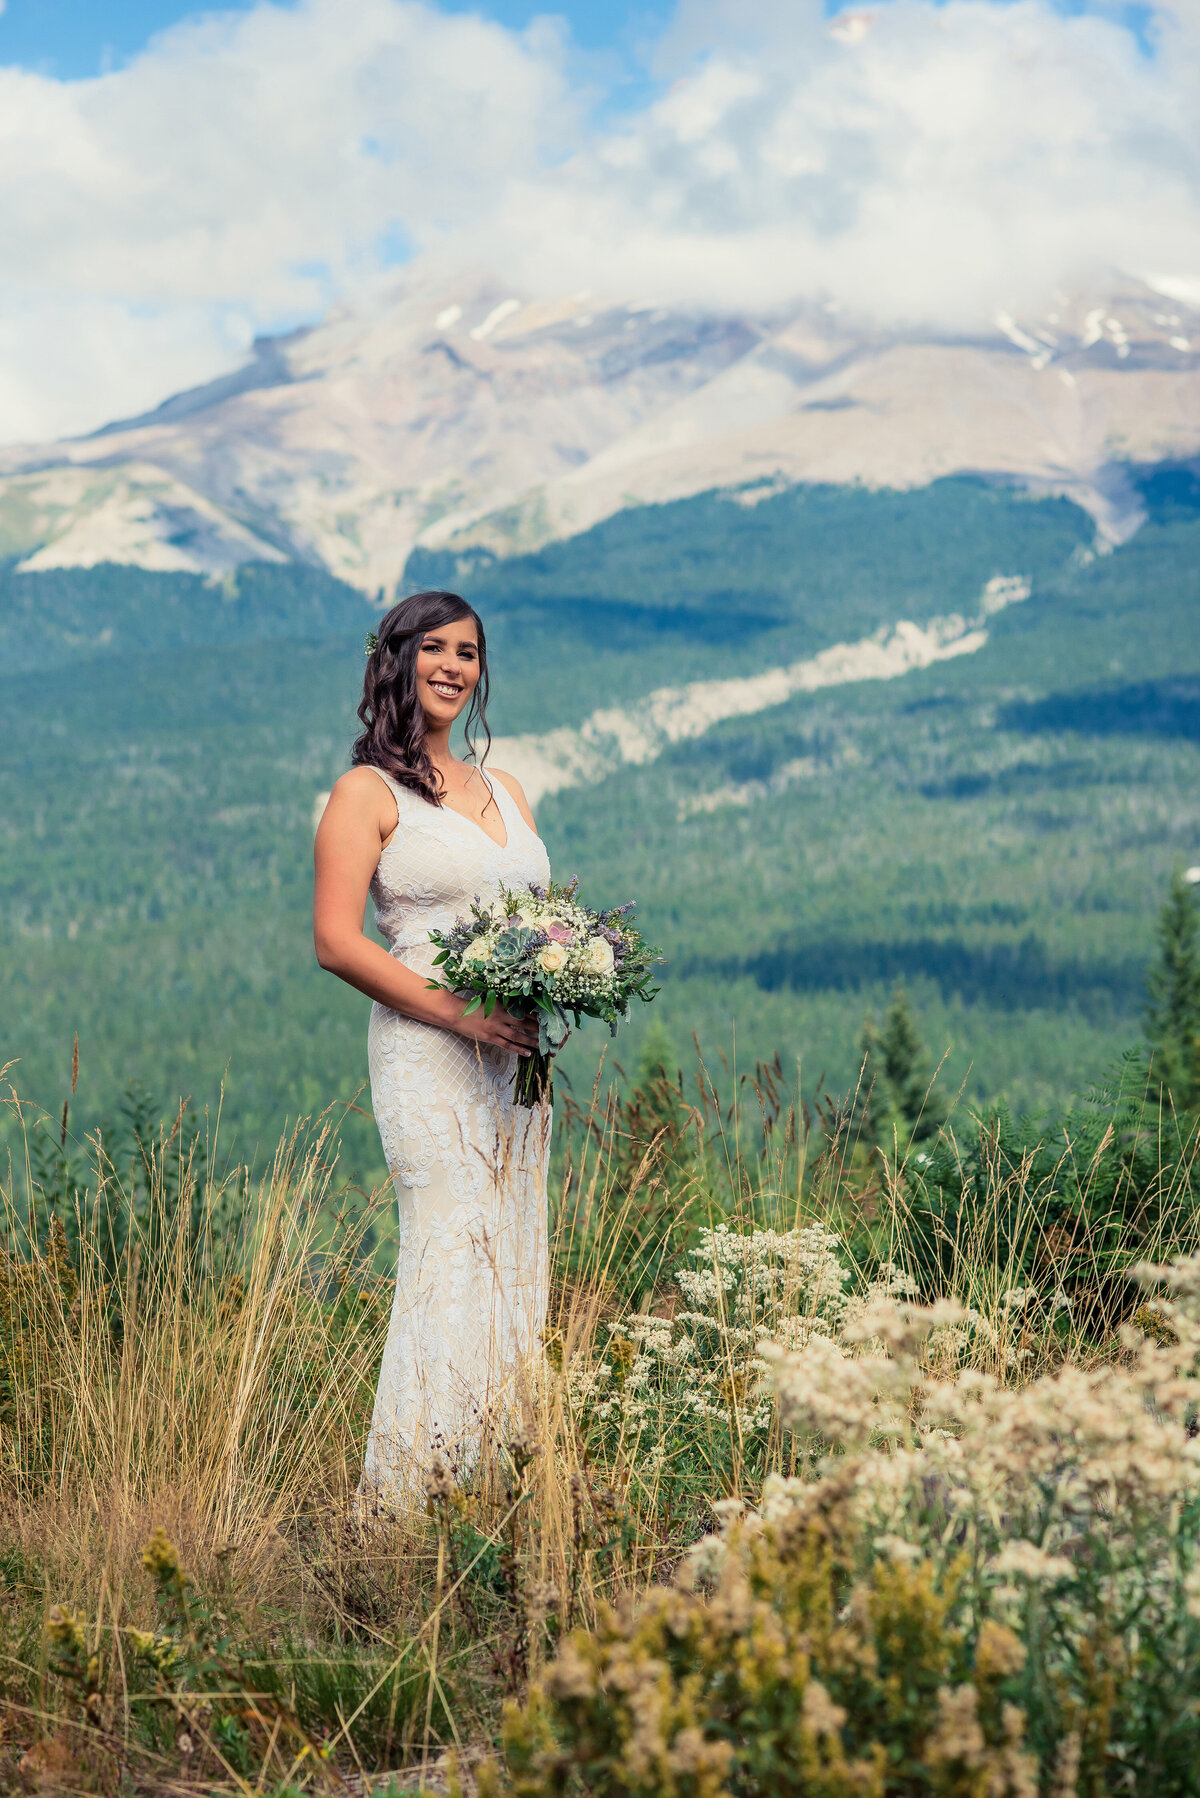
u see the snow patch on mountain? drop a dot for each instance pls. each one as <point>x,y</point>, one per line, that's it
<point>752,792</point>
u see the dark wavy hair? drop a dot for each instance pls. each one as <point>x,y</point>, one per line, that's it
<point>393,736</point>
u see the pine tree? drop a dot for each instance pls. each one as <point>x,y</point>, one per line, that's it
<point>897,1074</point>
<point>1173,995</point>
<point>873,1117</point>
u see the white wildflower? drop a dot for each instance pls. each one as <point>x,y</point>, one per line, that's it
<point>705,1559</point>
<point>1030,1562</point>
<point>897,1549</point>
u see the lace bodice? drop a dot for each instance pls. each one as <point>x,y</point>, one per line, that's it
<point>438,861</point>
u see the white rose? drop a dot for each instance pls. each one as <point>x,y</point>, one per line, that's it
<point>553,957</point>
<point>598,956</point>
<point>476,951</point>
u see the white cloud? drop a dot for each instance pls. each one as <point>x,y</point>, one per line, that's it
<point>244,163</point>
<point>933,161</point>
<point>70,360</point>
<point>937,162</point>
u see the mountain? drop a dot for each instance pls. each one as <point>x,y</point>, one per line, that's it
<point>463,418</point>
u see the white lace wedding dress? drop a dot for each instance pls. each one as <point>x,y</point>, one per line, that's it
<point>469,1166</point>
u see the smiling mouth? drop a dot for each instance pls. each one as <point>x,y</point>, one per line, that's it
<point>444,690</point>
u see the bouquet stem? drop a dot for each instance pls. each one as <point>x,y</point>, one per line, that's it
<point>533,1078</point>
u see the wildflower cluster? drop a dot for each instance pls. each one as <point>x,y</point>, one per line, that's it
<point>964,1585</point>
<point>1108,1447</point>
<point>704,1361</point>
<point>1067,1510</point>
<point>543,954</point>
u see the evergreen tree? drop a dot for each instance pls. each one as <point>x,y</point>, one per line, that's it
<point>1173,995</point>
<point>872,1116</point>
<point>898,1070</point>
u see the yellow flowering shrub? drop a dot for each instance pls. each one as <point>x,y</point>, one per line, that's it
<point>792,1675</point>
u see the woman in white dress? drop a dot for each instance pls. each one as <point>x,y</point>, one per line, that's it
<point>425,833</point>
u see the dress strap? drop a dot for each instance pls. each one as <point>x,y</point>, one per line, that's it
<point>398,793</point>
<point>505,803</point>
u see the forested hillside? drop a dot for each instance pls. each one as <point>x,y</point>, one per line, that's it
<point>726,584</point>
<point>997,830</point>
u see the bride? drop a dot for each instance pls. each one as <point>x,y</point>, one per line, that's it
<point>426,833</point>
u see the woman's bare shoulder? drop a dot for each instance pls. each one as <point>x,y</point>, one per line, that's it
<point>360,786</point>
<point>360,790</point>
<point>360,780</point>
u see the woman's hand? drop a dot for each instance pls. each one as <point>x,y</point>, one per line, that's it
<point>501,1030</point>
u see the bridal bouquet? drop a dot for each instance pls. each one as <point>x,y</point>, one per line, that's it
<point>542,954</point>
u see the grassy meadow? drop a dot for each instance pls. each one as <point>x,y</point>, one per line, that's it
<point>848,1469</point>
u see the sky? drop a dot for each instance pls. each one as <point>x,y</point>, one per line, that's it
<point>71,39</point>
<point>174,182</point>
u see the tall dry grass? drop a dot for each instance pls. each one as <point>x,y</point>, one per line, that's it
<point>217,1394</point>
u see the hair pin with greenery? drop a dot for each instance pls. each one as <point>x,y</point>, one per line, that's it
<point>370,644</point>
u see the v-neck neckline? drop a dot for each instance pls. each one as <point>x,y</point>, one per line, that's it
<point>474,822</point>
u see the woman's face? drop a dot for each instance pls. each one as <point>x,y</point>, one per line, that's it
<point>447,671</point>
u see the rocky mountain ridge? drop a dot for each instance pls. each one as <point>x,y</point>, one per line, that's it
<point>458,415</point>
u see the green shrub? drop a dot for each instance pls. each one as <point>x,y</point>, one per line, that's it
<point>794,1677</point>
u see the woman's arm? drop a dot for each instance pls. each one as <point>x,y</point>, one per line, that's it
<point>358,820</point>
